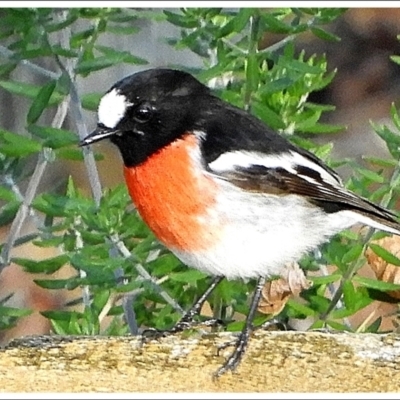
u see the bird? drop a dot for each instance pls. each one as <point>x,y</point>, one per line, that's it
<point>219,188</point>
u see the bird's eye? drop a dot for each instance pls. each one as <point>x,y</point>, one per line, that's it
<point>143,113</point>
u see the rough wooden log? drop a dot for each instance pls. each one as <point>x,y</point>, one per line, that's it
<point>274,362</point>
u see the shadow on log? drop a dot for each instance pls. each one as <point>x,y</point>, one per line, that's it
<point>274,362</point>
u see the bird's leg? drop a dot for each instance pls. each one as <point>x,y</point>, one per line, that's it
<point>188,320</point>
<point>241,343</point>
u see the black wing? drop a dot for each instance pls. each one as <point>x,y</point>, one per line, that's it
<point>308,183</point>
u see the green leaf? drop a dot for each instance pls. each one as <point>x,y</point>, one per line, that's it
<point>381,162</point>
<point>164,265</point>
<point>252,74</point>
<point>14,312</point>
<point>323,128</point>
<point>371,175</point>
<point>98,270</point>
<point>53,27</point>
<point>122,30</point>
<point>61,315</point>
<point>8,212</point>
<point>391,139</point>
<point>7,194</point>
<point>235,24</point>
<point>61,51</point>
<point>301,309</point>
<point>54,284</point>
<point>395,116</point>
<point>51,242</point>
<point>91,101</point>
<point>374,327</point>
<point>324,280</point>
<point>274,24</point>
<point>302,67</point>
<point>78,38</point>
<point>7,68</point>
<point>16,145</point>
<point>91,65</point>
<point>123,15</point>
<point>277,85</point>
<point>353,254</point>
<point>54,138</point>
<point>34,53</point>
<point>270,117</point>
<point>60,206</point>
<point>28,90</point>
<point>385,254</point>
<point>128,287</point>
<point>126,56</point>
<point>396,59</point>
<point>181,20</point>
<point>324,35</point>
<point>70,154</point>
<point>100,300</point>
<point>338,326</point>
<point>47,266</point>
<point>350,295</point>
<point>375,284</point>
<point>189,276</point>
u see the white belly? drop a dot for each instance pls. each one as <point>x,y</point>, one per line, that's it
<point>262,234</point>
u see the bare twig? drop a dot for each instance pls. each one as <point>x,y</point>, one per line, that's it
<point>68,69</point>
<point>43,159</point>
<point>33,67</point>
<point>331,287</point>
<point>144,274</point>
<point>9,181</point>
<point>128,300</point>
<point>82,274</point>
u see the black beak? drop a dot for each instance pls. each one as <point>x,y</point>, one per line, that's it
<point>100,133</point>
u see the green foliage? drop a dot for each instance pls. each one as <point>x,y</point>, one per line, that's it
<point>115,259</point>
<point>9,315</point>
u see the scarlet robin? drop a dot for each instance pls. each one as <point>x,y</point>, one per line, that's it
<point>220,189</point>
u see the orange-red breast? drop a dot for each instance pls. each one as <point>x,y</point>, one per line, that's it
<point>219,188</point>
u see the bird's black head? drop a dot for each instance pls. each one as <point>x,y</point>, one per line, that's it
<point>148,110</point>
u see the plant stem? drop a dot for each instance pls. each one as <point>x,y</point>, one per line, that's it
<point>144,274</point>
<point>252,70</point>
<point>355,265</point>
<point>33,67</point>
<point>43,158</point>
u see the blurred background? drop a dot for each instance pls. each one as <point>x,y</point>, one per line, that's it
<point>366,84</point>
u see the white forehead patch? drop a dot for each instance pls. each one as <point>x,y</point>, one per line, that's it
<point>112,108</point>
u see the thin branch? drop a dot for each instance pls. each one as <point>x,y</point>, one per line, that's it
<point>33,67</point>
<point>127,303</point>
<point>331,287</point>
<point>77,115</point>
<point>68,69</point>
<point>82,274</point>
<point>43,159</point>
<point>251,55</point>
<point>23,210</point>
<point>9,181</point>
<point>278,45</point>
<point>144,274</point>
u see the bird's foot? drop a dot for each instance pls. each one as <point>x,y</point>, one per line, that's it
<point>186,323</point>
<point>274,325</point>
<point>235,358</point>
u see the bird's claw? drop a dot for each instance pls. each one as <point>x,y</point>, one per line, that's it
<point>183,325</point>
<point>234,359</point>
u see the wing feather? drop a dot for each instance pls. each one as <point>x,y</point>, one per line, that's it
<point>290,173</point>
